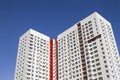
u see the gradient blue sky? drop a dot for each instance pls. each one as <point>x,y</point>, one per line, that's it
<point>49,17</point>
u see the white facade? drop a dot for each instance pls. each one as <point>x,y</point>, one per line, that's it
<point>86,51</point>
<point>93,55</point>
<point>33,57</point>
<point>69,60</point>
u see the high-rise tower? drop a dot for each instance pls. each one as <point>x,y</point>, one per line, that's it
<point>33,57</point>
<point>86,51</point>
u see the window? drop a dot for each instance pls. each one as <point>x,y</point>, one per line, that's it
<point>100,78</point>
<point>99,73</point>
<point>108,76</point>
<point>95,51</point>
<point>97,64</point>
<point>89,22</point>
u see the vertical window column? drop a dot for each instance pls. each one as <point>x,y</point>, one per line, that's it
<point>82,52</point>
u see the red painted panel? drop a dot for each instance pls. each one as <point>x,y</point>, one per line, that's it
<point>84,67</point>
<point>94,38</point>
<point>56,60</point>
<point>51,60</point>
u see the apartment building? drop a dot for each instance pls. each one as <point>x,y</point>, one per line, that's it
<point>33,57</point>
<point>88,51</point>
<point>85,51</point>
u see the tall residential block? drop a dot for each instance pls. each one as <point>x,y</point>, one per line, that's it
<point>88,51</point>
<point>85,51</point>
<point>33,57</point>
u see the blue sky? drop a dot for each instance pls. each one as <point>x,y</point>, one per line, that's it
<point>49,17</point>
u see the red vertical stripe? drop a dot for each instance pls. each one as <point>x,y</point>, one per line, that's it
<point>84,67</point>
<point>56,59</point>
<point>51,60</point>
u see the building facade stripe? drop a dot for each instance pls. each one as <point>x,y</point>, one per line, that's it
<point>51,60</point>
<point>84,67</point>
<point>56,59</point>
